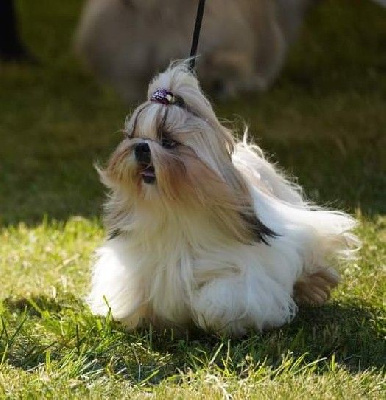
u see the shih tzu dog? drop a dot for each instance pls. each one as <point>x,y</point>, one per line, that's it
<point>243,47</point>
<point>203,230</point>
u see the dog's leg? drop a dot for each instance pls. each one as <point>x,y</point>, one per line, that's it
<point>235,304</point>
<point>217,307</point>
<point>116,285</point>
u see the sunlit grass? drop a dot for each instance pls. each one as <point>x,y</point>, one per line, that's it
<point>324,122</point>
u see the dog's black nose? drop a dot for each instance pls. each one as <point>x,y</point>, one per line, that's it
<point>142,153</point>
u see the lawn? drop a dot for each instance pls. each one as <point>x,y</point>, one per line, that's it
<point>324,122</point>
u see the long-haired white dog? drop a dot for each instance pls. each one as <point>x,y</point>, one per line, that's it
<point>203,230</point>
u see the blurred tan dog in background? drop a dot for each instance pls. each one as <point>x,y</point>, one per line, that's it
<point>242,47</point>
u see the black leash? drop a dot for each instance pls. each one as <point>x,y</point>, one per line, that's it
<point>196,34</point>
<point>165,96</point>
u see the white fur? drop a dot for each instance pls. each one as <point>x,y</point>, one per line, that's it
<point>173,263</point>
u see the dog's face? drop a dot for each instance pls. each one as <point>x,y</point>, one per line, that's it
<point>177,156</point>
<point>172,154</point>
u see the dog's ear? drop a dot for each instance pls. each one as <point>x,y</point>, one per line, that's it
<point>259,231</point>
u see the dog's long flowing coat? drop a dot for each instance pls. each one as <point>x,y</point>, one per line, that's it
<point>206,231</point>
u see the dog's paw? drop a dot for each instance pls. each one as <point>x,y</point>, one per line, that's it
<point>315,288</point>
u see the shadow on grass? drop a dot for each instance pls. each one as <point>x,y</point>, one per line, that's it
<point>23,343</point>
<point>349,333</point>
<point>33,306</point>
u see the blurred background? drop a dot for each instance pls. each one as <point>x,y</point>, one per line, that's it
<point>322,117</point>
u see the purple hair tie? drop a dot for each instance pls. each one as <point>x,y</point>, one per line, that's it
<point>166,97</point>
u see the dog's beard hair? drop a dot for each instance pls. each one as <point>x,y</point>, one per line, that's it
<point>219,238</point>
<point>183,182</point>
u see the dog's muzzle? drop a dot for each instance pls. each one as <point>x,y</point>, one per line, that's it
<point>142,154</point>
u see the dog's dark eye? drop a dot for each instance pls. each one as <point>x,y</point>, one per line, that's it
<point>168,143</point>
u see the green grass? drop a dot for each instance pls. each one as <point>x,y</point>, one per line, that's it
<point>324,121</point>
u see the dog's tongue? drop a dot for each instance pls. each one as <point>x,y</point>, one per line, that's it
<point>148,175</point>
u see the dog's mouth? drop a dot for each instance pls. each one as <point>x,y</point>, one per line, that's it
<point>147,173</point>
